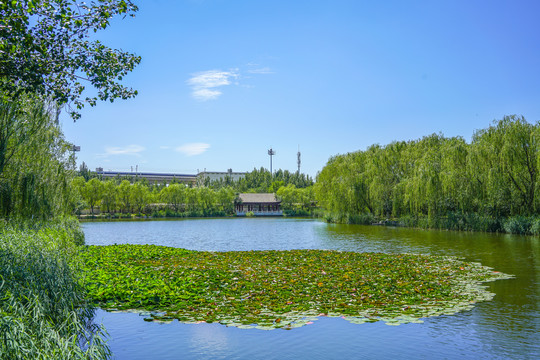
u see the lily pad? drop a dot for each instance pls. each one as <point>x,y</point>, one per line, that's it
<point>281,289</point>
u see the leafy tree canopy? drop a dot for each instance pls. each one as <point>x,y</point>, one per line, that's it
<point>45,49</point>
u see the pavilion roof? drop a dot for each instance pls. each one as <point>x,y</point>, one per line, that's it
<point>258,198</point>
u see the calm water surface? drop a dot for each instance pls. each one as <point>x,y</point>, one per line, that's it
<point>508,327</point>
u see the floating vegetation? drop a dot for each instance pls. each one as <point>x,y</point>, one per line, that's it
<point>280,289</point>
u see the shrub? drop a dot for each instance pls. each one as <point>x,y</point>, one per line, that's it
<point>535,227</point>
<point>361,219</point>
<point>44,314</point>
<point>517,225</point>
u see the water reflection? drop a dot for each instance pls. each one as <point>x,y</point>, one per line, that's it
<point>506,327</point>
<point>209,339</point>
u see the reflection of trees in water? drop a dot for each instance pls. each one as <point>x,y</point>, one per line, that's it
<point>506,326</point>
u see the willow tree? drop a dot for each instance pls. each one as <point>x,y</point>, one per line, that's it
<point>140,196</point>
<point>36,163</point>
<point>342,186</point>
<point>174,195</point>
<point>225,199</point>
<point>496,175</point>
<point>385,170</point>
<point>93,193</point>
<point>109,198</point>
<point>457,193</point>
<point>124,196</point>
<point>506,158</point>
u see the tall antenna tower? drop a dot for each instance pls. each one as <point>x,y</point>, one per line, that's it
<point>271,153</point>
<point>298,161</point>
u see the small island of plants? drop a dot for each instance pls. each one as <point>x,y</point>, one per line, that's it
<point>280,289</point>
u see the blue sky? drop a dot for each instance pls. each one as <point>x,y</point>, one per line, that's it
<point>221,82</point>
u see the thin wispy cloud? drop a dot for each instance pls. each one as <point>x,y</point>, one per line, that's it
<point>209,85</point>
<point>206,94</point>
<point>133,150</point>
<point>205,84</point>
<point>192,149</point>
<point>263,70</point>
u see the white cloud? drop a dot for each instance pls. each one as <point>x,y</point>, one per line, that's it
<point>127,150</point>
<point>208,85</point>
<point>192,149</point>
<point>204,83</point>
<point>206,94</point>
<point>264,70</point>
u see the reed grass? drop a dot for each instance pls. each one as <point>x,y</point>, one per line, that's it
<point>44,314</point>
<point>521,225</point>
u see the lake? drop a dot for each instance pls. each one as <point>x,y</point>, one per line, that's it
<point>508,327</point>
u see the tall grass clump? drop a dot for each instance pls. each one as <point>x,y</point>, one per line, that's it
<point>523,225</point>
<point>347,218</point>
<point>453,221</point>
<point>43,311</point>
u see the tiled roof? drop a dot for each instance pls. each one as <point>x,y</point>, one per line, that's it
<point>258,198</point>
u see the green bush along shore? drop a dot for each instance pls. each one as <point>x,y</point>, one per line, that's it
<point>44,312</point>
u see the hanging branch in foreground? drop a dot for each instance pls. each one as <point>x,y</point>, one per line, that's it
<point>45,49</point>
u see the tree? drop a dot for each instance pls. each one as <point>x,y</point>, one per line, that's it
<point>507,153</point>
<point>205,199</point>
<point>45,50</point>
<point>225,199</point>
<point>174,195</point>
<point>19,123</point>
<point>85,172</point>
<point>288,195</point>
<point>276,185</point>
<point>109,196</point>
<point>124,195</point>
<point>140,196</point>
<point>93,193</point>
<point>495,176</point>
<point>36,163</point>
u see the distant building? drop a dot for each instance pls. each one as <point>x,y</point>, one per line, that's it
<point>205,176</point>
<point>155,178</point>
<point>259,204</point>
<point>166,178</point>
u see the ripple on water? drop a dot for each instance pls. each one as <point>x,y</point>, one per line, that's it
<point>508,327</point>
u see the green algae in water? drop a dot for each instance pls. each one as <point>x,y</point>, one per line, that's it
<point>280,289</point>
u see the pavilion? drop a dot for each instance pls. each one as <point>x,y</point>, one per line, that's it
<point>259,204</point>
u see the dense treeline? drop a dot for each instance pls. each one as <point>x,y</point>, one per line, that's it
<point>262,181</point>
<point>116,197</point>
<point>489,184</point>
<point>123,197</point>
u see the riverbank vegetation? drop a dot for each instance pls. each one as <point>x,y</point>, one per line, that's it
<point>280,289</point>
<point>121,198</point>
<point>46,58</point>
<point>489,184</point>
<point>44,311</point>
<point>47,279</point>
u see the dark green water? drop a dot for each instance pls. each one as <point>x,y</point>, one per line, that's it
<point>508,327</point>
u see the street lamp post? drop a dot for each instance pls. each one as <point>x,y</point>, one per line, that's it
<point>271,153</point>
